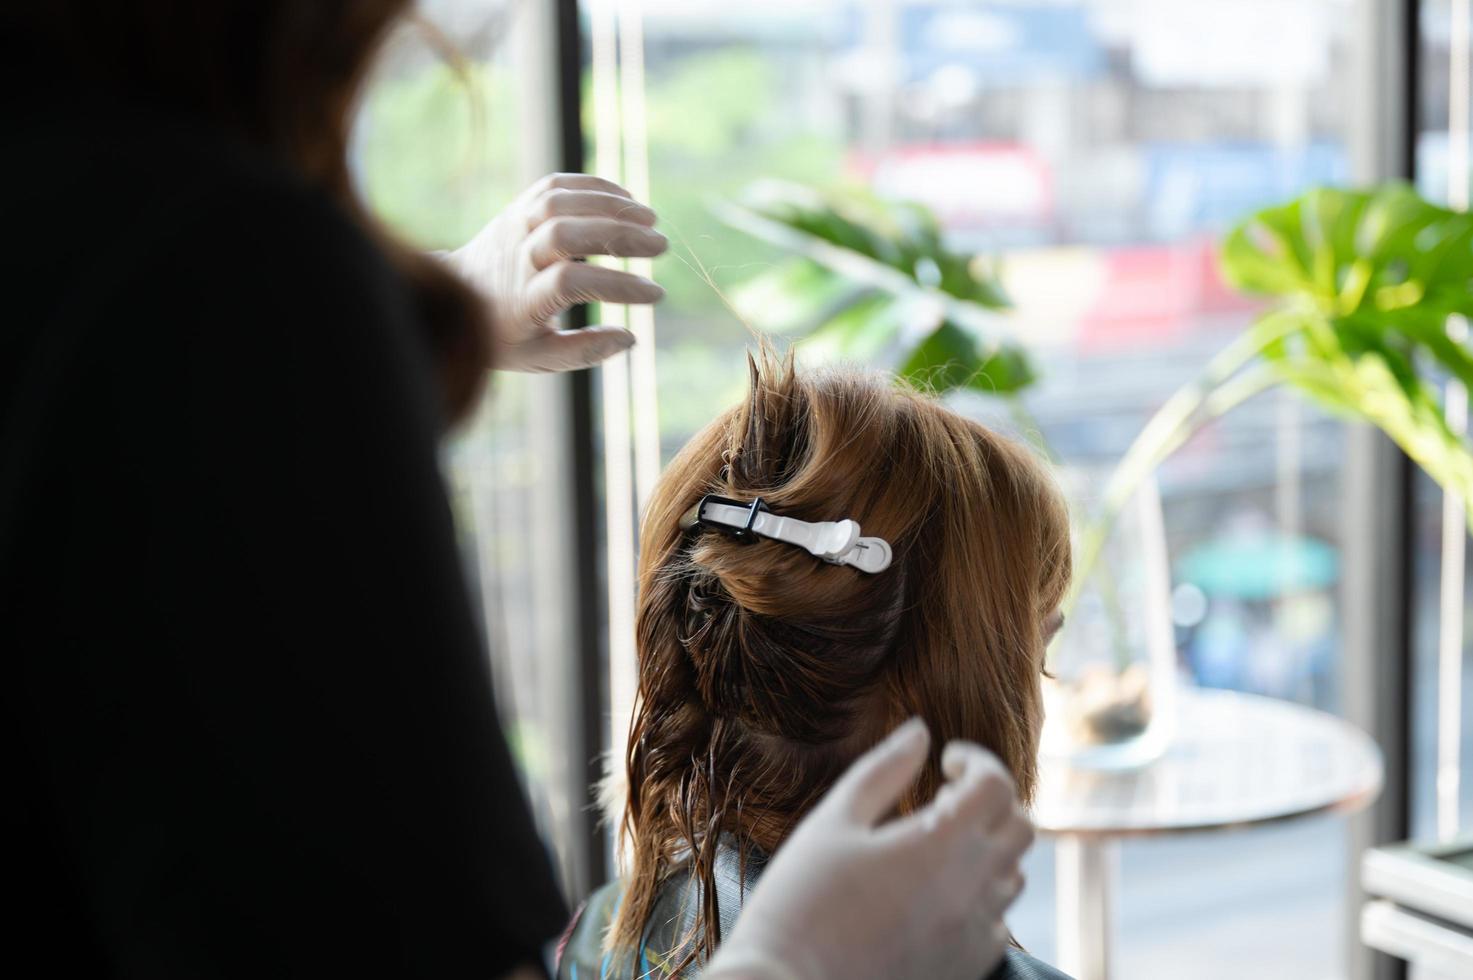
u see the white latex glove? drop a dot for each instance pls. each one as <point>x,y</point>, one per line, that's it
<point>922,896</point>
<point>525,262</point>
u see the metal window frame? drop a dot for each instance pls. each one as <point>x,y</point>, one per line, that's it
<point>548,50</point>
<point>581,459</point>
<point>1379,497</point>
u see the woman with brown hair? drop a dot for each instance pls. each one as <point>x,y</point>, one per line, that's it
<point>248,721</point>
<point>817,565</point>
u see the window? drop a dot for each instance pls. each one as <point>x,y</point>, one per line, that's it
<point>443,142</point>
<point>1442,745</point>
<point>1100,149</point>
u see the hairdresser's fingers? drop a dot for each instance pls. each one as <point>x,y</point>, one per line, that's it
<point>573,182</point>
<point>995,875</point>
<point>575,238</point>
<point>1011,840</point>
<point>980,934</point>
<point>989,939</point>
<point>1006,891</point>
<point>875,782</point>
<point>978,788</point>
<point>960,807</point>
<point>564,350</point>
<point>559,203</point>
<point>566,284</point>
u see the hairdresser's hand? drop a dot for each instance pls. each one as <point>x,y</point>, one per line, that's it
<point>526,261</point>
<point>851,896</point>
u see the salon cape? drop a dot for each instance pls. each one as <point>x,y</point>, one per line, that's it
<point>581,955</point>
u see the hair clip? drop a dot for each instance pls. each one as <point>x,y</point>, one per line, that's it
<point>836,542</point>
<point>742,529</point>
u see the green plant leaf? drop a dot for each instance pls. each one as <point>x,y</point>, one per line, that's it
<point>951,357</point>
<point>1386,246</point>
<point>1431,332</point>
<point>793,297</point>
<point>859,333</point>
<point>1375,275</point>
<point>1367,281</point>
<point>884,264</point>
<point>1366,389</point>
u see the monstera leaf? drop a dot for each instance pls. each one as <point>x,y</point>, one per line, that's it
<point>1357,253</point>
<point>1370,279</point>
<point>1365,285</point>
<point>872,280</point>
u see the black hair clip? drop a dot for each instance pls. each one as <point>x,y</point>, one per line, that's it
<point>694,517</point>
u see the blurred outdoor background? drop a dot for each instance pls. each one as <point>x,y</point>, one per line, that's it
<point>1093,152</point>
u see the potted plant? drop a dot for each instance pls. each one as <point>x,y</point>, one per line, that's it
<point>1367,285</point>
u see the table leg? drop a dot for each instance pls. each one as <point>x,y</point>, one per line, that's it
<point>1085,869</point>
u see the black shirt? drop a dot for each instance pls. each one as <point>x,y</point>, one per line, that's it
<point>248,715</point>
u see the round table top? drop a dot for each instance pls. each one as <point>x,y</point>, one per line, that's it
<point>1236,760</point>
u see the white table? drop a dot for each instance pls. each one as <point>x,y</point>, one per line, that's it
<point>1237,760</point>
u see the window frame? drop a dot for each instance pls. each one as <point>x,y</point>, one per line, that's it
<point>1379,572</point>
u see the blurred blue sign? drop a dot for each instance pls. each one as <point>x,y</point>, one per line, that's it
<point>1191,186</point>
<point>994,44</point>
<point>1001,44</point>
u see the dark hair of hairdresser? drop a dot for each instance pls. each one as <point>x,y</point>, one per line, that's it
<point>764,671</point>
<point>283,75</point>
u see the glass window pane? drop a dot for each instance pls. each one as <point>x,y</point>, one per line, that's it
<point>438,150</point>
<point>1436,159</point>
<point>1100,149</point>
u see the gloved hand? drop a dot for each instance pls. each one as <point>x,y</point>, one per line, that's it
<point>525,262</point>
<point>922,896</point>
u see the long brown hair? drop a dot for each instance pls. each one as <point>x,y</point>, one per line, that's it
<point>764,671</point>
<point>283,74</point>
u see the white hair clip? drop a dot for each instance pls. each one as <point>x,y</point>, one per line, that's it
<point>836,542</point>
